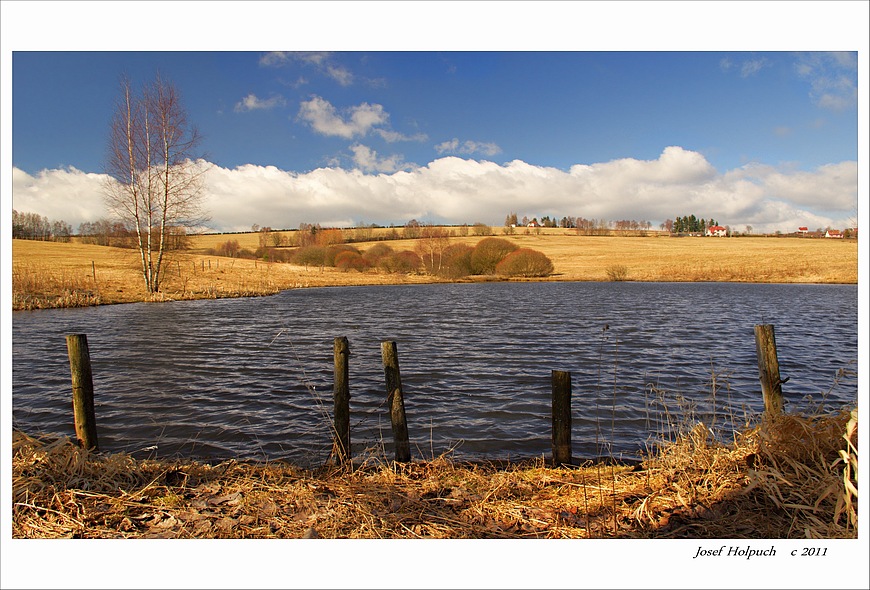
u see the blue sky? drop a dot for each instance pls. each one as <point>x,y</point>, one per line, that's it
<point>545,108</point>
<point>761,138</point>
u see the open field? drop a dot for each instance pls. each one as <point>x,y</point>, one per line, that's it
<point>49,274</point>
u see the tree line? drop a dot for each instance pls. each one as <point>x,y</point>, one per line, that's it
<point>684,224</point>
<point>690,224</point>
<point>32,226</point>
<point>580,224</point>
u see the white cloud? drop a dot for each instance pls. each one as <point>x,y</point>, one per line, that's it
<point>391,136</point>
<point>68,195</point>
<point>252,103</point>
<point>467,148</point>
<point>326,120</point>
<point>458,190</point>
<point>321,61</point>
<point>367,160</point>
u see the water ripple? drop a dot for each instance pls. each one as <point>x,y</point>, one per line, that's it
<point>252,378</point>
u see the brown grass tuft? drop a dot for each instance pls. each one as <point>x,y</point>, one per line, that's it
<point>794,477</point>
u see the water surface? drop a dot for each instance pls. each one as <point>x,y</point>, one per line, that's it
<point>252,378</point>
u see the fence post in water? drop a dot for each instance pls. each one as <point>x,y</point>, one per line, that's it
<point>768,369</point>
<point>82,390</point>
<point>561,418</point>
<point>341,396</point>
<point>396,401</point>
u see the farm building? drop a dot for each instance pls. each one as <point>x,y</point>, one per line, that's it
<point>833,233</point>
<point>717,231</point>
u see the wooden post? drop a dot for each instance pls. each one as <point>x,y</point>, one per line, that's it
<point>561,381</point>
<point>94,270</point>
<point>341,397</point>
<point>82,390</point>
<point>768,369</point>
<point>396,401</point>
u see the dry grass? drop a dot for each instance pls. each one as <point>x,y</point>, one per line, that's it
<point>98,274</point>
<point>47,274</point>
<point>794,477</point>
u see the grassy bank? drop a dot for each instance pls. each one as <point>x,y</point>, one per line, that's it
<point>793,477</point>
<point>47,274</point>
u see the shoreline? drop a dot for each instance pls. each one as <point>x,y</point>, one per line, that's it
<point>162,298</point>
<point>691,488</point>
<point>60,275</point>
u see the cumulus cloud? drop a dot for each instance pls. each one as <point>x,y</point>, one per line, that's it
<point>453,189</point>
<point>65,194</point>
<point>252,103</point>
<point>467,147</point>
<point>326,120</point>
<point>367,160</point>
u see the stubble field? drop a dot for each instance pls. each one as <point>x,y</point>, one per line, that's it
<point>48,274</point>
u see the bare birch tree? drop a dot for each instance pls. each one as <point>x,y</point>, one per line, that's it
<point>155,184</point>
<point>432,243</point>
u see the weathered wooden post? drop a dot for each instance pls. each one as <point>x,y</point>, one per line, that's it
<point>82,390</point>
<point>396,401</point>
<point>341,398</point>
<point>561,381</point>
<point>768,369</point>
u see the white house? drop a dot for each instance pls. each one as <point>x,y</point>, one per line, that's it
<point>834,233</point>
<point>717,231</point>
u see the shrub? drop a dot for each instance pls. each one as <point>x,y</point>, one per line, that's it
<point>405,261</point>
<point>456,261</point>
<point>376,253</point>
<point>488,253</point>
<point>270,254</point>
<point>310,255</point>
<point>525,262</point>
<point>229,248</point>
<point>617,272</point>
<point>350,260</point>
<point>481,229</point>
<point>331,252</point>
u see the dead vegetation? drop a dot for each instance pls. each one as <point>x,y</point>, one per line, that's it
<point>792,477</point>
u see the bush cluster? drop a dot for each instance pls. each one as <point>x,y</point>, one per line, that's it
<point>435,255</point>
<point>492,256</point>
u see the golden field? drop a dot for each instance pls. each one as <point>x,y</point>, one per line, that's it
<point>50,274</point>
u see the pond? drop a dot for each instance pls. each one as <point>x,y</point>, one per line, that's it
<point>252,378</point>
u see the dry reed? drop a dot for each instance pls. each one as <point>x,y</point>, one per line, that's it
<point>792,477</point>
